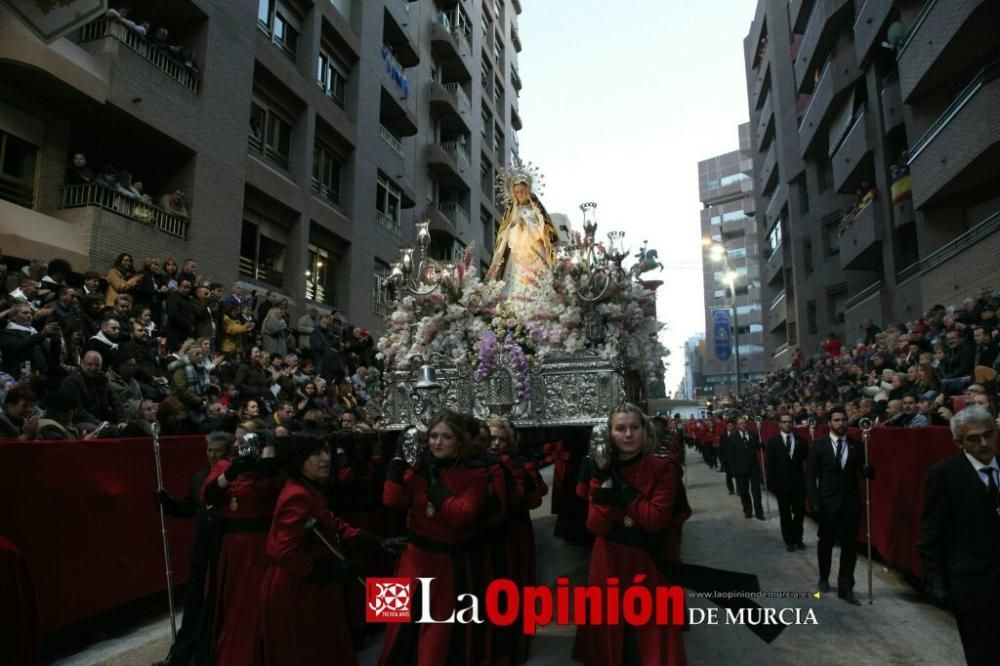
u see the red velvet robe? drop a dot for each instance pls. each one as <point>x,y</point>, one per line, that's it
<point>454,523</point>
<point>242,559</point>
<point>302,623</point>
<point>656,480</point>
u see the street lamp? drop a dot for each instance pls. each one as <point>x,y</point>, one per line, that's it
<point>717,253</point>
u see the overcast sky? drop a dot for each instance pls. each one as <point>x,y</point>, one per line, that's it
<point>620,102</point>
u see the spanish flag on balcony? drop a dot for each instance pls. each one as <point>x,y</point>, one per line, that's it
<point>901,188</point>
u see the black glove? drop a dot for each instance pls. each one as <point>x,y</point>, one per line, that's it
<point>396,470</point>
<point>162,498</point>
<point>373,543</point>
<point>868,472</point>
<point>238,466</point>
<point>937,591</point>
<point>625,492</point>
<point>394,545</point>
<point>437,492</point>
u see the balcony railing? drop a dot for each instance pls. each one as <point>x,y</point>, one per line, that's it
<point>257,146</point>
<point>391,140</point>
<point>91,194</point>
<point>255,271</point>
<point>985,228</point>
<point>454,149</point>
<point>387,221</point>
<point>989,73</point>
<point>17,193</point>
<point>329,193</point>
<point>380,305</point>
<point>395,71</point>
<point>458,92</point>
<point>454,212</point>
<point>863,295</point>
<point>162,60</point>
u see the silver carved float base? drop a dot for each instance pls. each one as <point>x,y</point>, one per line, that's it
<point>566,390</point>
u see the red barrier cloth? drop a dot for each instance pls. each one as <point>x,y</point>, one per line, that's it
<point>83,516</point>
<point>19,637</point>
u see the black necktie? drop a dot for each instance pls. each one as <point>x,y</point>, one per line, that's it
<point>788,445</point>
<point>840,450</point>
<point>992,481</point>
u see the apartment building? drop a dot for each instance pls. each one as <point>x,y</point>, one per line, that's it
<point>876,141</point>
<point>729,235</point>
<point>308,137</point>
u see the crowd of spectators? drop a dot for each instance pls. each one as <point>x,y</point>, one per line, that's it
<point>911,374</point>
<point>105,356</point>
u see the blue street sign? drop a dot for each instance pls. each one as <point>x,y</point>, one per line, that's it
<point>721,328</point>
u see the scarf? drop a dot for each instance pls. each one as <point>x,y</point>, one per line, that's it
<point>103,338</point>
<point>18,327</point>
<point>196,378</point>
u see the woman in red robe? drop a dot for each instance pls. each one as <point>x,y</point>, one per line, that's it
<point>241,494</point>
<point>630,512</point>
<point>444,498</point>
<point>302,618</point>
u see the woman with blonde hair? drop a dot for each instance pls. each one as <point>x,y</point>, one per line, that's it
<point>631,507</point>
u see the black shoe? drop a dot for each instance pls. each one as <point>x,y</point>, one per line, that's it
<point>748,515</point>
<point>790,548</point>
<point>800,546</point>
<point>823,586</point>
<point>848,596</point>
<point>760,516</point>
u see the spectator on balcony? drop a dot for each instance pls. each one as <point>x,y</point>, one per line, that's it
<point>174,204</point>
<point>121,278</point>
<point>170,272</point>
<point>125,187</point>
<point>105,341</point>
<point>78,173</point>
<point>180,316</point>
<point>274,332</point>
<point>144,196</point>
<point>108,178</point>
<point>91,390</point>
<point>126,392</point>
<point>161,40</point>
<point>21,344</point>
<point>18,420</point>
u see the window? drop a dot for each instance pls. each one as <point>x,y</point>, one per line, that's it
<point>485,174</point>
<point>487,118</point>
<point>498,94</point>
<point>803,195</point>
<point>321,277</point>
<point>388,201</point>
<point>498,139</point>
<point>17,170</point>
<point>486,79</point>
<point>277,20</point>
<point>737,253</point>
<point>774,239</point>
<point>837,302</point>
<point>498,50</point>
<point>812,327</point>
<point>331,75</point>
<point>735,178</point>
<point>262,256</point>
<point>807,256</point>
<point>831,235</point>
<point>486,220</point>
<point>327,167</point>
<point>823,177</point>
<point>381,305</point>
<point>270,134</point>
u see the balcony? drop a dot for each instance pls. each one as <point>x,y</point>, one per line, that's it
<point>860,242</point>
<point>452,47</point>
<point>765,123</point>
<point>162,60</point>
<point>778,201</point>
<point>515,39</point>
<point>261,272</point>
<point>441,224</point>
<point>854,152</point>
<point>767,177</point>
<point>840,72</point>
<point>451,106</point>
<point>153,217</point>
<point>390,140</point>
<point>892,104</point>
<point>387,221</point>
<point>515,79</point>
<point>799,12</point>
<point>777,314</point>
<point>960,151</point>
<point>448,163</point>
<point>761,84</point>
<point>396,114</point>
<point>819,37</point>
<point>945,38</point>
<point>866,304</point>
<point>455,212</point>
<point>775,266</point>
<point>397,33</point>
<point>517,6</point>
<point>868,26</point>
<point>515,119</point>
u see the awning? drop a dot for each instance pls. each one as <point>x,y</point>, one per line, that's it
<point>28,234</point>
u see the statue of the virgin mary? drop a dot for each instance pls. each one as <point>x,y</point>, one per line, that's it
<point>524,251</point>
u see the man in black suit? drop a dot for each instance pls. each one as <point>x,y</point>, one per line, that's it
<point>742,451</point>
<point>786,457</point>
<point>960,534</point>
<point>728,439</point>
<point>832,486</point>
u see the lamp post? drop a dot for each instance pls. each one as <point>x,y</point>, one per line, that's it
<point>717,253</point>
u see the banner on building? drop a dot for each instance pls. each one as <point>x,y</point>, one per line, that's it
<point>721,331</point>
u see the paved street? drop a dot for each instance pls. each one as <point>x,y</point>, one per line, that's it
<point>898,629</point>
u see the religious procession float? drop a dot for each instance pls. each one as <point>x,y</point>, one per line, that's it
<point>554,334</point>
